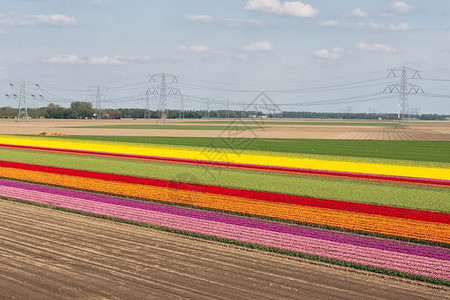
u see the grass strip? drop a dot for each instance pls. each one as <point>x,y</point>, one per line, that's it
<point>427,151</point>
<point>248,245</point>
<point>169,127</point>
<point>407,196</point>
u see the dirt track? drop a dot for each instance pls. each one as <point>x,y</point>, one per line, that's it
<point>437,131</point>
<point>51,254</point>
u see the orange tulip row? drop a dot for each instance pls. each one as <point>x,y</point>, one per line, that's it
<point>435,232</point>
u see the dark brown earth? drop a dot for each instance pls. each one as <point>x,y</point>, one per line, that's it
<point>48,254</point>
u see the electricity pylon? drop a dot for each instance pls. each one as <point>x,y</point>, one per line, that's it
<point>22,108</point>
<point>403,88</point>
<point>163,93</point>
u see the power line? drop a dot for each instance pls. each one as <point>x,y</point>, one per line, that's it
<point>303,82</point>
<point>353,99</point>
<point>435,79</point>
<point>310,89</point>
<point>434,95</point>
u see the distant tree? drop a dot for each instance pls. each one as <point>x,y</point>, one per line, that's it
<point>50,111</point>
<point>81,110</point>
<point>114,114</point>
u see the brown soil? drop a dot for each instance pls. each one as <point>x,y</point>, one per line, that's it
<point>435,131</point>
<point>50,254</point>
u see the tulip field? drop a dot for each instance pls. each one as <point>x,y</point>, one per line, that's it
<point>375,213</point>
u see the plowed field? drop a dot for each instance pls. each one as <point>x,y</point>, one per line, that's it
<point>51,254</point>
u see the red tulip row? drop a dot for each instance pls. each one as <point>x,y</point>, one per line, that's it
<point>381,210</point>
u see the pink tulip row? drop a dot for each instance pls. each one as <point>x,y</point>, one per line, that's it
<point>409,263</point>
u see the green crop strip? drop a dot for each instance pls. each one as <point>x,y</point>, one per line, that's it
<point>422,151</point>
<point>248,245</point>
<point>170,127</point>
<point>409,196</point>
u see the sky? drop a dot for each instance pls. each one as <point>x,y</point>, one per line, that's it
<point>312,55</point>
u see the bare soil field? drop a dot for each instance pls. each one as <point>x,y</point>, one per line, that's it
<point>49,254</point>
<point>433,131</point>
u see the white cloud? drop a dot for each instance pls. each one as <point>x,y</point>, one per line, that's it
<point>21,19</point>
<point>329,23</point>
<point>337,49</point>
<point>288,8</point>
<point>357,12</point>
<point>135,58</point>
<point>95,2</point>
<point>2,32</point>
<point>227,21</point>
<point>397,8</point>
<point>104,60</point>
<point>333,53</point>
<point>200,18</point>
<point>401,7</point>
<point>69,59</point>
<point>195,48</point>
<point>375,47</point>
<point>369,26</point>
<point>258,46</point>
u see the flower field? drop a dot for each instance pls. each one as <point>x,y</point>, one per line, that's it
<point>384,217</point>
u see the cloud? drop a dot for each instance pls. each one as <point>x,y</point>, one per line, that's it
<point>401,7</point>
<point>136,58</point>
<point>200,18</point>
<point>104,60</point>
<point>227,21</point>
<point>357,12</point>
<point>332,54</point>
<point>369,26</point>
<point>2,32</point>
<point>21,19</point>
<point>195,48</point>
<point>288,8</point>
<point>243,22</point>
<point>375,47</point>
<point>337,49</point>
<point>329,23</point>
<point>397,8</point>
<point>95,3</point>
<point>258,46</point>
<point>71,59</point>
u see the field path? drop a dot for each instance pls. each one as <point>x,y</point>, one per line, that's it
<point>52,254</point>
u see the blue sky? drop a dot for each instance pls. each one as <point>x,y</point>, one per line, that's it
<point>307,53</point>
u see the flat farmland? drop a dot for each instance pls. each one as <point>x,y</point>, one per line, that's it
<point>53,254</point>
<point>245,128</point>
<point>119,209</point>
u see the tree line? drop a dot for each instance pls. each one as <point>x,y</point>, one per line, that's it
<point>85,110</point>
